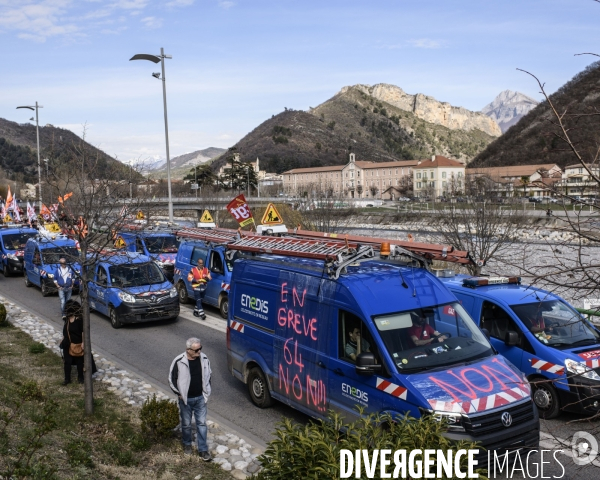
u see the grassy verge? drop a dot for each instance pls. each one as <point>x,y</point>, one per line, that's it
<point>44,433</point>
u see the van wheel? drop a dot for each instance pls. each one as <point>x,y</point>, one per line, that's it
<point>115,321</point>
<point>45,288</point>
<point>224,307</point>
<point>6,270</point>
<point>183,295</point>
<point>28,283</point>
<point>259,388</point>
<point>546,399</point>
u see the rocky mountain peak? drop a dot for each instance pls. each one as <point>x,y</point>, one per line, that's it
<point>508,108</point>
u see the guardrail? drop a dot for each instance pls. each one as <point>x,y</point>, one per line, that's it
<point>591,313</point>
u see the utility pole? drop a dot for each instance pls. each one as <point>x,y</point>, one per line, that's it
<point>37,131</point>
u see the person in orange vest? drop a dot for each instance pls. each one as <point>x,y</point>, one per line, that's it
<point>199,277</point>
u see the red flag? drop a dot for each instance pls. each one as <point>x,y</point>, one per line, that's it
<point>239,209</point>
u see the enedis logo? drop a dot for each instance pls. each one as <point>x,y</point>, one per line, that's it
<point>255,303</point>
<point>355,392</point>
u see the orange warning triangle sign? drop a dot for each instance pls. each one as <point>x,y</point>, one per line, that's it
<point>119,242</point>
<point>271,216</point>
<point>206,217</point>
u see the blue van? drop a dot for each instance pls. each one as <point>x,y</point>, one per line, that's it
<point>387,336</point>
<point>12,246</point>
<point>41,261</point>
<point>161,246</point>
<point>217,291</point>
<point>542,335</point>
<point>130,288</point>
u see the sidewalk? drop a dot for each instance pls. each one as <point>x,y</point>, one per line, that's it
<point>229,448</point>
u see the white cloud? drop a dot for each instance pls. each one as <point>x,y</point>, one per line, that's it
<point>226,4</point>
<point>426,43</point>
<point>130,4</point>
<point>180,3</point>
<point>152,22</point>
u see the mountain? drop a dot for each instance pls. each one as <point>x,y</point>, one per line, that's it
<point>18,144</point>
<point>533,140</point>
<point>187,159</point>
<point>508,108</point>
<point>379,123</point>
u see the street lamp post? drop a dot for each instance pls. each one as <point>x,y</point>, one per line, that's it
<point>156,59</point>
<point>37,131</point>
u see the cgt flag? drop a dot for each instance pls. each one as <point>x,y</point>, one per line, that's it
<point>239,209</point>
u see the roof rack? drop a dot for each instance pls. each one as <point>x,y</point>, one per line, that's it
<point>417,250</point>
<point>214,235</point>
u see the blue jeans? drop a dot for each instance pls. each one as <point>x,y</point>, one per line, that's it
<point>65,296</point>
<point>199,295</point>
<point>197,406</point>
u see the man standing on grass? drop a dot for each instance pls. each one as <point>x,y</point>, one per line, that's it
<point>189,378</point>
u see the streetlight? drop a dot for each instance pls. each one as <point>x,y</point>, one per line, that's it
<point>37,130</point>
<point>155,59</point>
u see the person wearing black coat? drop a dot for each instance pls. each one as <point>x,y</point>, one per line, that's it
<point>74,324</point>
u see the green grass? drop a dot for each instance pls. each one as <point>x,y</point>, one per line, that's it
<point>42,418</point>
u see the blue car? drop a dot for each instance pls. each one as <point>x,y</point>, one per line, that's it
<point>12,246</point>
<point>41,261</point>
<point>217,291</point>
<point>130,288</point>
<point>542,335</point>
<point>385,336</point>
<point>161,246</point>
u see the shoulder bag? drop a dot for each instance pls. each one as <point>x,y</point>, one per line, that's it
<point>75,349</point>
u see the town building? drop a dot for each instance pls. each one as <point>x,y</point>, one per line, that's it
<point>516,180</point>
<point>438,177</point>
<point>576,181</point>
<point>356,179</point>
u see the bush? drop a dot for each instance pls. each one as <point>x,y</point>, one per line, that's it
<point>313,450</point>
<point>79,453</point>
<point>159,417</point>
<point>3,321</point>
<point>31,391</point>
<point>37,348</point>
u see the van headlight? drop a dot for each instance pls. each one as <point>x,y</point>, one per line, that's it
<point>50,275</point>
<point>581,369</point>
<point>126,297</point>
<point>160,264</point>
<point>454,421</point>
<point>173,292</point>
<point>12,256</point>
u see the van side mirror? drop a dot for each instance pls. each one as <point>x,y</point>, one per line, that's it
<point>486,332</point>
<point>366,364</point>
<point>511,339</point>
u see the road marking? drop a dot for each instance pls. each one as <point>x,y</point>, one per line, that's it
<point>211,321</point>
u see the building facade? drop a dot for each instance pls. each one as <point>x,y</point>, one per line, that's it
<point>438,177</point>
<point>577,182</point>
<point>516,181</point>
<point>385,180</point>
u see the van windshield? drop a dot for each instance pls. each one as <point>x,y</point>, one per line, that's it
<point>556,324</point>
<point>166,244</point>
<point>16,241</point>
<point>135,275</point>
<point>53,255</point>
<point>432,337</point>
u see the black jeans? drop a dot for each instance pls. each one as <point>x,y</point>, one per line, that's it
<point>69,362</point>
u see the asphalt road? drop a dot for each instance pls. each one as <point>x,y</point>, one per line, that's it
<point>148,349</point>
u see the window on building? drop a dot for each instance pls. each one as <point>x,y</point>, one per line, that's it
<point>444,175</point>
<point>419,175</point>
<point>424,175</point>
<point>444,184</point>
<point>396,171</point>
<point>418,184</point>
<point>459,174</point>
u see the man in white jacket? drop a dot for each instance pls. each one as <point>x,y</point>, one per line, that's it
<point>189,378</point>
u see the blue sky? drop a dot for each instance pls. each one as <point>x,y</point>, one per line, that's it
<point>237,62</point>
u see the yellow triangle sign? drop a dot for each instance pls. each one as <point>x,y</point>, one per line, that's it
<point>140,215</point>
<point>206,217</point>
<point>120,243</point>
<point>271,216</point>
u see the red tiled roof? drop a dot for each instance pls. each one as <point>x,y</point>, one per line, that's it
<point>332,168</point>
<point>439,161</point>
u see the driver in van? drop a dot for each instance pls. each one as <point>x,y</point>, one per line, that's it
<point>356,344</point>
<point>421,333</point>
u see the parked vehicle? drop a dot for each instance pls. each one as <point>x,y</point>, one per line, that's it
<point>217,291</point>
<point>542,335</point>
<point>12,247</point>
<point>130,288</point>
<point>41,261</point>
<point>295,326</point>
<point>161,246</point>
<point>535,200</point>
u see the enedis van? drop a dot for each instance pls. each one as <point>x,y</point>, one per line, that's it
<point>292,337</point>
<point>542,335</point>
<point>12,248</point>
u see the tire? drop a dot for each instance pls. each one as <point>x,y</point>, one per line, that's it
<point>6,270</point>
<point>115,321</point>
<point>546,398</point>
<point>45,288</point>
<point>183,295</point>
<point>28,283</point>
<point>224,307</point>
<point>258,388</point>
